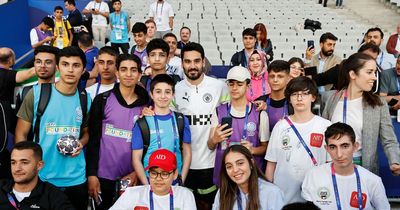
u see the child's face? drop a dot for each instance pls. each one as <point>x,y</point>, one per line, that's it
<point>162,95</point>
<point>302,100</point>
<point>117,6</point>
<point>140,38</point>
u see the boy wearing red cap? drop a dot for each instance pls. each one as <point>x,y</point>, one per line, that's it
<point>160,194</point>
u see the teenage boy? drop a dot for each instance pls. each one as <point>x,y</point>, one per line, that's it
<point>41,34</point>
<point>109,155</point>
<point>163,129</point>
<point>64,115</point>
<point>160,194</point>
<point>106,65</point>
<point>62,29</point>
<point>157,51</point>
<point>277,105</point>
<point>174,62</point>
<point>296,142</point>
<point>249,40</point>
<point>120,25</point>
<point>341,184</point>
<point>249,127</point>
<point>139,31</point>
<point>197,97</point>
<point>26,190</point>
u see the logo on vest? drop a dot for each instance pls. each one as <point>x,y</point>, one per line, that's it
<point>118,133</point>
<point>207,98</point>
<point>161,157</point>
<point>251,128</point>
<point>53,129</point>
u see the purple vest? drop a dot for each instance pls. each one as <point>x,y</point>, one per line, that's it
<point>115,143</point>
<point>253,125</point>
<point>42,35</point>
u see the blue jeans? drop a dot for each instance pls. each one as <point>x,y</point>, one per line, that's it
<point>339,2</point>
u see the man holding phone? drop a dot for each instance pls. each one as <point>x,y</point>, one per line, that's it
<point>238,122</point>
<point>325,59</point>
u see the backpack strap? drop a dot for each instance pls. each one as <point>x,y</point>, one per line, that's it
<point>105,96</point>
<point>144,79</point>
<point>83,102</point>
<point>180,121</point>
<point>25,91</point>
<point>145,131</point>
<point>45,93</point>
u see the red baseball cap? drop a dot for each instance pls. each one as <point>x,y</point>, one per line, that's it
<point>163,159</point>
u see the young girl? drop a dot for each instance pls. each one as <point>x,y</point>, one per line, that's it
<point>365,112</point>
<point>263,43</point>
<point>296,67</point>
<point>259,85</point>
<point>243,186</point>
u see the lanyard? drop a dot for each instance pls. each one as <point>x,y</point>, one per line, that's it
<point>162,6</point>
<point>94,6</point>
<point>246,118</point>
<point>173,128</point>
<point>335,187</point>
<point>302,141</point>
<point>239,200</point>
<point>97,88</point>
<point>12,201</point>
<point>398,84</point>
<point>263,87</point>
<point>381,60</point>
<point>171,200</point>
<point>284,106</point>
<point>344,106</point>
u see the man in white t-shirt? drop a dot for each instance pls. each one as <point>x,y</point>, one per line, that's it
<point>197,97</point>
<point>174,64</point>
<point>162,13</point>
<point>296,142</point>
<point>342,183</point>
<point>99,11</point>
<point>160,194</point>
<point>106,66</point>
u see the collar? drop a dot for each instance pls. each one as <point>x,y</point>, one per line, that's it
<point>142,96</point>
<point>7,187</point>
<point>196,86</point>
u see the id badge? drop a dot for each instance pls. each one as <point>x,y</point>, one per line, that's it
<point>224,145</point>
<point>60,43</point>
<point>158,19</point>
<point>398,115</point>
<point>95,20</point>
<point>118,34</point>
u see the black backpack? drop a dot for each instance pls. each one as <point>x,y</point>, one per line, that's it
<point>145,131</point>
<point>7,127</point>
<point>45,93</point>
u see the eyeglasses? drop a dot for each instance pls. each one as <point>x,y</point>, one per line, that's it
<point>163,175</point>
<point>46,62</point>
<point>302,94</point>
<point>297,68</point>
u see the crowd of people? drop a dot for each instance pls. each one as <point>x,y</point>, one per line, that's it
<point>155,131</point>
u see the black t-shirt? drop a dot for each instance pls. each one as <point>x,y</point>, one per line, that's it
<point>7,84</point>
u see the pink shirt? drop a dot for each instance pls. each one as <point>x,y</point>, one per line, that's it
<point>256,88</point>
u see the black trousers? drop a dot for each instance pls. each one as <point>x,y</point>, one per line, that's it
<point>78,195</point>
<point>124,47</point>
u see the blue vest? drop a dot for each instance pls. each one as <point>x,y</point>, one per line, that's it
<point>63,116</point>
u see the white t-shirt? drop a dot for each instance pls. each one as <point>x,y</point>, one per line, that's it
<point>318,188</point>
<point>139,196</point>
<point>34,37</point>
<point>292,160</point>
<point>354,118</point>
<point>198,103</point>
<point>103,88</point>
<point>263,133</point>
<point>21,195</point>
<point>161,13</point>
<point>270,196</point>
<point>386,60</point>
<point>98,20</point>
<point>176,64</point>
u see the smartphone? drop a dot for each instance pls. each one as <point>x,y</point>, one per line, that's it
<point>310,71</point>
<point>392,102</point>
<point>227,120</point>
<point>93,9</point>
<point>310,44</point>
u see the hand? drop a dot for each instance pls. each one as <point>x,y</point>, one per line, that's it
<point>247,144</point>
<point>397,105</point>
<point>220,134</point>
<point>395,168</point>
<point>147,71</point>
<point>309,53</point>
<point>261,105</point>
<point>147,111</point>
<point>132,177</point>
<point>78,151</point>
<point>94,188</point>
<point>48,38</point>
<point>96,11</point>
